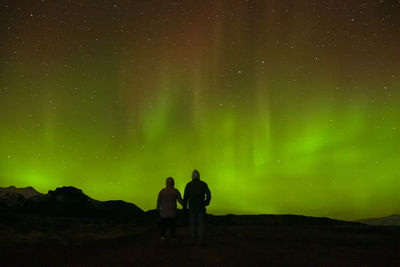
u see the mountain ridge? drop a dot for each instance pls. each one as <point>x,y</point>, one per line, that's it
<point>73,202</point>
<point>63,201</point>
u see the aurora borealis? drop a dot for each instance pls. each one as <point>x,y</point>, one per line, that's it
<point>283,106</point>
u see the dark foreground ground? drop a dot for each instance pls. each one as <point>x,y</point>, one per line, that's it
<point>231,241</point>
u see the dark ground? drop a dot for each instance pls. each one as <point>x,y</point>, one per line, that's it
<point>231,241</point>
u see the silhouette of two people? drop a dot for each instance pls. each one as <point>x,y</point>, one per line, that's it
<point>196,197</point>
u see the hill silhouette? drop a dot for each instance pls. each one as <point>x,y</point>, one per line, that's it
<point>26,192</point>
<point>68,201</point>
<point>13,196</point>
<point>63,201</point>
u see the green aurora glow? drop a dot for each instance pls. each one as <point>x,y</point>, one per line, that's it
<point>282,108</point>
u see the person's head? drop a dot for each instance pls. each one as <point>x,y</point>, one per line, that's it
<point>195,175</point>
<point>170,182</point>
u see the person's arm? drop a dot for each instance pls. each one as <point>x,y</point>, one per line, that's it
<point>159,201</point>
<point>185,197</point>
<point>179,198</point>
<point>208,195</point>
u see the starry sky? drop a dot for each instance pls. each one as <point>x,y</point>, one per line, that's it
<point>283,106</point>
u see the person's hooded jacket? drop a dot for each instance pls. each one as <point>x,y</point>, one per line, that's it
<point>197,195</point>
<point>166,201</point>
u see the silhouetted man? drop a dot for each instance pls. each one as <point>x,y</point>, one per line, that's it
<point>166,204</point>
<point>198,196</point>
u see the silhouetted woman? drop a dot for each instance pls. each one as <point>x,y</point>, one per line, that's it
<point>166,204</point>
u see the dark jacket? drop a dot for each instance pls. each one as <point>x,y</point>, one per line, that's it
<point>197,195</point>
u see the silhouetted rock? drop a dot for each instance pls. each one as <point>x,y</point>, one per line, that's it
<point>15,197</point>
<point>26,192</point>
<point>64,201</point>
<point>69,194</point>
<point>12,199</point>
<point>388,220</point>
<point>119,208</point>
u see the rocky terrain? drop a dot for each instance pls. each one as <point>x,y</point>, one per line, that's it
<point>66,227</point>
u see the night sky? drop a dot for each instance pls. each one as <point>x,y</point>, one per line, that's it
<point>283,106</point>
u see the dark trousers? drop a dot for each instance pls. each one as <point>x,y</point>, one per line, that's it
<point>168,224</point>
<point>196,225</point>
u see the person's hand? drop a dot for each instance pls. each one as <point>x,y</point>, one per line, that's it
<point>184,212</point>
